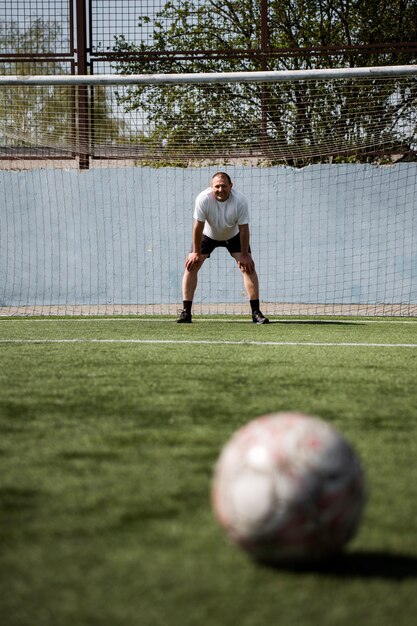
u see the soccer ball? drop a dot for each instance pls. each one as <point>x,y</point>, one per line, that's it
<point>288,487</point>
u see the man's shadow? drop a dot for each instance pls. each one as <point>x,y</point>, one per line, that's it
<point>319,322</point>
<point>360,564</point>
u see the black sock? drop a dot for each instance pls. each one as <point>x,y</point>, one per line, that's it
<point>187,304</point>
<point>254,305</point>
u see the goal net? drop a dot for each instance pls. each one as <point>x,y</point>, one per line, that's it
<point>98,177</point>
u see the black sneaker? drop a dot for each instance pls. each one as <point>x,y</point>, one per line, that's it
<point>259,318</point>
<point>184,318</point>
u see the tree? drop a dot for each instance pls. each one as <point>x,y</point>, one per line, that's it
<point>44,116</point>
<point>290,116</point>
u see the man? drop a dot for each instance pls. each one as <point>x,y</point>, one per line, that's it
<point>221,219</point>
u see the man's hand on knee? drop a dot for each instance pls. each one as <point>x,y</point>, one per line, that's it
<point>246,263</point>
<point>193,261</point>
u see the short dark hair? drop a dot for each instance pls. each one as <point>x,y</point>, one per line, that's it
<point>222,174</point>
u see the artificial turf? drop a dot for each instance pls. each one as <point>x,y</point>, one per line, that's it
<point>108,442</point>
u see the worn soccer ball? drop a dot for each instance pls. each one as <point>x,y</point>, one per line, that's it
<point>289,487</point>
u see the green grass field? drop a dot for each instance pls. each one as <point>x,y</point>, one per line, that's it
<point>110,429</point>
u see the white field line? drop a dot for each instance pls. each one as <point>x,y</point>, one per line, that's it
<point>208,342</point>
<point>277,320</point>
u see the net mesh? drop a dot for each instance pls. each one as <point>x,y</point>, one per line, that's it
<point>295,122</point>
<point>99,181</point>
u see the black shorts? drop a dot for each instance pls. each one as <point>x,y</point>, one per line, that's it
<point>232,245</point>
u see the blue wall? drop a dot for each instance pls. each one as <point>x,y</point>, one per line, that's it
<point>323,234</point>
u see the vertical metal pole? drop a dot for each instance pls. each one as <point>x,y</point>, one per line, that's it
<point>264,35</point>
<point>82,90</point>
<point>264,67</point>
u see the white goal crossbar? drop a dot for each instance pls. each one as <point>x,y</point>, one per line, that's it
<point>212,77</point>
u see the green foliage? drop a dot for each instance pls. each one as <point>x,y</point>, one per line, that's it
<point>40,37</point>
<point>314,23</point>
<point>278,121</point>
<point>25,111</point>
<point>44,115</point>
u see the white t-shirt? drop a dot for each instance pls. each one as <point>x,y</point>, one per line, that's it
<point>222,219</point>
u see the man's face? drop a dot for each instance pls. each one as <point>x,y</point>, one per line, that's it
<point>221,188</point>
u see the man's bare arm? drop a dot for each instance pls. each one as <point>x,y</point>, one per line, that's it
<point>246,263</point>
<point>193,260</point>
